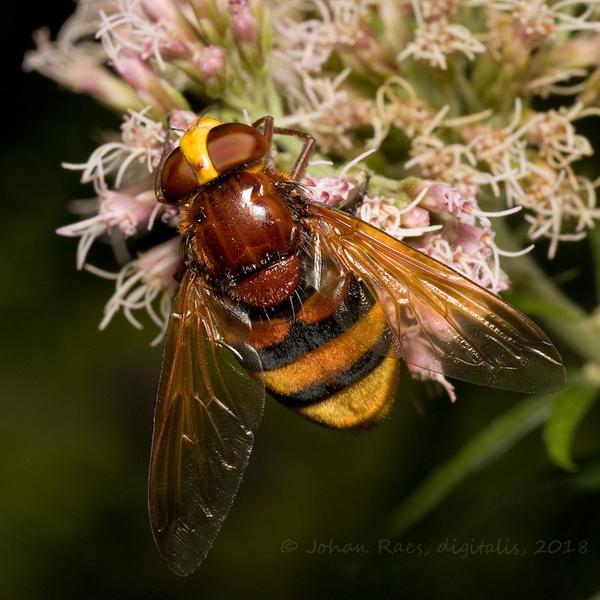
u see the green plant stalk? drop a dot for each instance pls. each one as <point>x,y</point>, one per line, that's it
<point>492,442</point>
<point>568,410</point>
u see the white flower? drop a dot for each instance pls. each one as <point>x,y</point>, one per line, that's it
<point>141,283</point>
<point>436,38</point>
<point>328,110</point>
<point>142,141</point>
<point>127,210</point>
<point>307,44</point>
<point>536,21</point>
<point>142,28</point>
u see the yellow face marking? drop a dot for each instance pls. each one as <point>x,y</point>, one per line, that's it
<point>193,146</point>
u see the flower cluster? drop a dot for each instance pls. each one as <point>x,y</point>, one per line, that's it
<point>442,94</point>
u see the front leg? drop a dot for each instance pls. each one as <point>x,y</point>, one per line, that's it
<point>306,153</point>
<point>266,123</point>
<point>354,205</point>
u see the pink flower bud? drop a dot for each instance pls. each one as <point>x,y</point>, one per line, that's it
<point>126,211</point>
<point>242,20</point>
<point>441,197</point>
<point>182,119</point>
<point>415,217</point>
<point>149,86</point>
<point>211,61</point>
<point>331,190</point>
<point>168,14</point>
<point>160,10</point>
<point>135,71</point>
<point>470,238</point>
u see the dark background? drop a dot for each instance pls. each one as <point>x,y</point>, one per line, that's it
<point>76,424</point>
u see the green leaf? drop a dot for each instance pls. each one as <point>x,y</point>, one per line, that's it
<point>501,435</point>
<point>569,407</point>
<point>535,306</point>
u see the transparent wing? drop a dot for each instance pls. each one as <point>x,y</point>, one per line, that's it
<point>442,321</point>
<point>206,413</point>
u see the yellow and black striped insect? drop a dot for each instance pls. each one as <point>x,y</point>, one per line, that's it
<point>308,303</point>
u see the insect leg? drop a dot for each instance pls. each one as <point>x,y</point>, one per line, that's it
<point>354,205</point>
<point>304,156</point>
<point>267,127</point>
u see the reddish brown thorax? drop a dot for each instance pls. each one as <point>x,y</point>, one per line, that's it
<point>243,232</point>
<point>240,228</point>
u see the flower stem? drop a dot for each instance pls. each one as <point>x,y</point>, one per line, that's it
<point>501,435</point>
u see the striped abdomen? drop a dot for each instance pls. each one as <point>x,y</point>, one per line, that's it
<point>323,353</point>
<point>330,361</point>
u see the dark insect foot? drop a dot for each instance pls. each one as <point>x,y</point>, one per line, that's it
<point>354,205</point>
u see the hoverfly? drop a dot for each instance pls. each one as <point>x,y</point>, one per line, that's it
<point>306,302</point>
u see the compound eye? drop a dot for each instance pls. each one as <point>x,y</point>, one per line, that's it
<point>233,144</point>
<point>177,179</point>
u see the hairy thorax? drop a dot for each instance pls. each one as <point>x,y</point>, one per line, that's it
<point>244,234</point>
